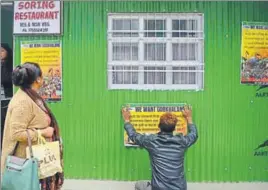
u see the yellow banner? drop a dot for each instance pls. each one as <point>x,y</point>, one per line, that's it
<point>254,41</point>
<point>145,119</point>
<point>254,51</point>
<point>48,55</point>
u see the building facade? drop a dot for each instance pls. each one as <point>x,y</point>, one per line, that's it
<point>114,52</point>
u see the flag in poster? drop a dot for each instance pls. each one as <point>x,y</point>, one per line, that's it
<point>145,118</point>
<point>48,55</point>
<point>254,53</point>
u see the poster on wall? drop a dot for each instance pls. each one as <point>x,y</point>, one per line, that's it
<point>254,53</point>
<point>37,17</point>
<point>145,118</point>
<point>48,55</point>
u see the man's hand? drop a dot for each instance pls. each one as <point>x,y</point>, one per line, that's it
<point>187,113</point>
<point>126,114</point>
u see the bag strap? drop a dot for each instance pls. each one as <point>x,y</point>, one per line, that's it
<point>14,150</point>
<point>41,139</point>
<point>29,144</point>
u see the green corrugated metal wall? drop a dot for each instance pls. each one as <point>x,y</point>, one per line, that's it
<point>231,121</point>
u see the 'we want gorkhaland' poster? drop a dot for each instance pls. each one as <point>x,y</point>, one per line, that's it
<point>47,53</point>
<point>254,51</point>
<point>145,118</point>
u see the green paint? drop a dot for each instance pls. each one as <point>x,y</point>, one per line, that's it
<point>231,121</point>
<point>255,23</point>
<point>40,42</point>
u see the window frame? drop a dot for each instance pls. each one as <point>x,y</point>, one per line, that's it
<point>168,39</point>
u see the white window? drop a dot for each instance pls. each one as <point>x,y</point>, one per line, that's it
<point>156,51</point>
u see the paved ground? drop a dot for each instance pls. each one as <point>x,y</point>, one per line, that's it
<point>117,185</point>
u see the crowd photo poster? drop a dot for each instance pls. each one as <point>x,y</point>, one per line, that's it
<point>48,55</point>
<point>254,53</point>
<point>145,118</point>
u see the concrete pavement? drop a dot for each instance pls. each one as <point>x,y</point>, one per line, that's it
<point>119,185</point>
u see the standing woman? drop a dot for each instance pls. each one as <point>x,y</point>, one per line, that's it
<point>28,111</point>
<point>6,81</point>
<point>6,69</point>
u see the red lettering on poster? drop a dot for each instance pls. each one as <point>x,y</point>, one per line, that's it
<point>36,5</point>
<point>49,15</point>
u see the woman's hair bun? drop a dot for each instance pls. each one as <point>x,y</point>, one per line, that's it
<point>20,76</point>
<point>26,74</point>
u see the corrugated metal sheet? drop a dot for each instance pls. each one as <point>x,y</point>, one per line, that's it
<point>231,121</point>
